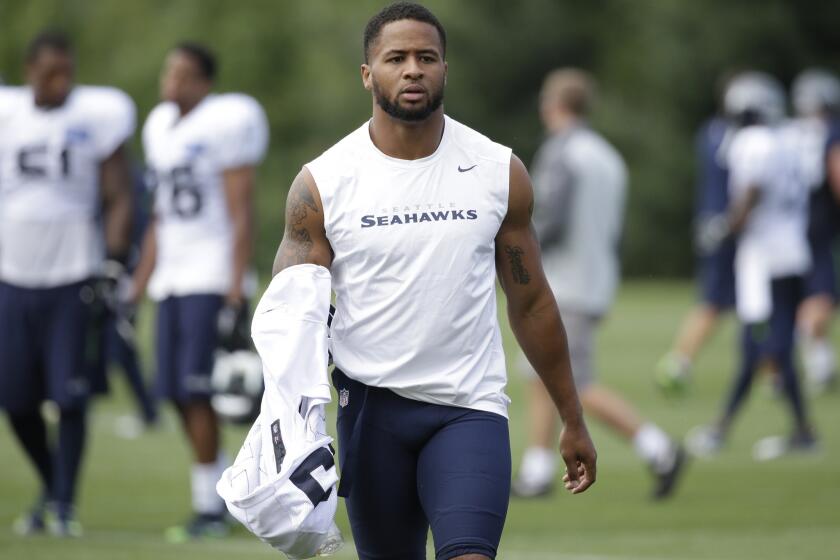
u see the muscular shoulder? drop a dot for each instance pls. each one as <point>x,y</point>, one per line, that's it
<point>341,159</point>
<point>520,195</point>
<point>476,144</point>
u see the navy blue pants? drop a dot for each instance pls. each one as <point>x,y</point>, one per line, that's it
<point>186,342</point>
<point>48,347</point>
<point>408,465</point>
<point>773,340</point>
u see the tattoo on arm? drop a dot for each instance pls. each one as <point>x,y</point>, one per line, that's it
<point>520,273</point>
<point>297,243</point>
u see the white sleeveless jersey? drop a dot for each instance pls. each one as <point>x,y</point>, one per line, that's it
<point>773,243</point>
<point>50,160</point>
<point>414,267</point>
<point>186,158</point>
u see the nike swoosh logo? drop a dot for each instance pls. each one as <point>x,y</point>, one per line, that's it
<point>467,169</point>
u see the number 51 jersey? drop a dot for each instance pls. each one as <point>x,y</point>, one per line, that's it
<point>187,157</point>
<point>50,160</point>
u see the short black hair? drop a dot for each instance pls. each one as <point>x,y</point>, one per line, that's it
<point>397,12</point>
<point>48,39</point>
<point>203,56</point>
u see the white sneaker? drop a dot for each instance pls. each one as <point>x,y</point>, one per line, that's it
<point>704,441</point>
<point>773,447</point>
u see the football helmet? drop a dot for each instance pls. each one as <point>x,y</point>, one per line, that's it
<point>237,382</point>
<point>815,90</point>
<point>754,97</point>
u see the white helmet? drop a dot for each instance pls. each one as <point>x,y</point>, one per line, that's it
<point>815,90</point>
<point>237,382</point>
<point>755,94</point>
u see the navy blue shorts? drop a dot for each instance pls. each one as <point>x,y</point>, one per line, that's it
<point>408,465</point>
<point>821,280</point>
<point>186,342</point>
<point>716,277</point>
<point>49,349</point>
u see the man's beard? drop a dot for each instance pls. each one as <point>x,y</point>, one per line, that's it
<point>408,115</point>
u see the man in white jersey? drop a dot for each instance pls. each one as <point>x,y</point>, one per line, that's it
<point>816,99</point>
<point>202,150</point>
<point>768,215</point>
<point>416,216</point>
<point>580,184</point>
<point>63,176</point>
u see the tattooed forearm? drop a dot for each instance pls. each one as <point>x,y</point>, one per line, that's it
<point>517,269</point>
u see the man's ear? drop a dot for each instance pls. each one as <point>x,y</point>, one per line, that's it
<point>366,79</point>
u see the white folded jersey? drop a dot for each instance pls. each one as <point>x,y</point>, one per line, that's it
<point>187,157</point>
<point>282,485</point>
<point>773,243</point>
<point>50,164</point>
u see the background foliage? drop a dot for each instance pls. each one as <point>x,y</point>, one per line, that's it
<point>657,62</point>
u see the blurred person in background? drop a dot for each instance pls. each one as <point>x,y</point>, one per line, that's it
<point>66,208</point>
<point>580,190</point>
<point>715,264</point>
<point>202,150</point>
<point>767,215</point>
<point>816,100</point>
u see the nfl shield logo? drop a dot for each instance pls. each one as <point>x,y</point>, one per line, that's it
<point>343,398</point>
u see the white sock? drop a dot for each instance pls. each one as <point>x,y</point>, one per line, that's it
<point>654,446</point>
<point>539,465</point>
<point>818,359</point>
<point>204,476</point>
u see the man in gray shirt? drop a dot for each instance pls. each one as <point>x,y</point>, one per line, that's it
<point>579,190</point>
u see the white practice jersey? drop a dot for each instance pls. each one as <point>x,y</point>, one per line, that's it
<point>50,161</point>
<point>186,158</point>
<point>282,485</point>
<point>773,243</point>
<point>807,137</point>
<point>414,267</point>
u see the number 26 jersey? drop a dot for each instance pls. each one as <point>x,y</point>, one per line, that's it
<point>186,158</point>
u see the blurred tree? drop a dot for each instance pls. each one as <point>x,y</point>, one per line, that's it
<point>657,63</point>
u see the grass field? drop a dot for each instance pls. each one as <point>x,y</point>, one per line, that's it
<point>729,508</point>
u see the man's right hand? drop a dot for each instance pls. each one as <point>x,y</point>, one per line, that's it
<point>579,454</point>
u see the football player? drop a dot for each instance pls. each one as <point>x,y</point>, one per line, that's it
<point>816,100</point>
<point>202,150</point>
<point>63,170</point>
<point>768,217</point>
<point>715,273</point>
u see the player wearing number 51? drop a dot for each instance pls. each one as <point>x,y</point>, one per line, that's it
<point>63,176</point>
<point>201,150</point>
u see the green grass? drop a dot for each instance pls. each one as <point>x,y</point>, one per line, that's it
<point>730,508</point>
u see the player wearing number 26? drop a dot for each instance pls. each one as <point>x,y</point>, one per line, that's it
<point>201,150</point>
